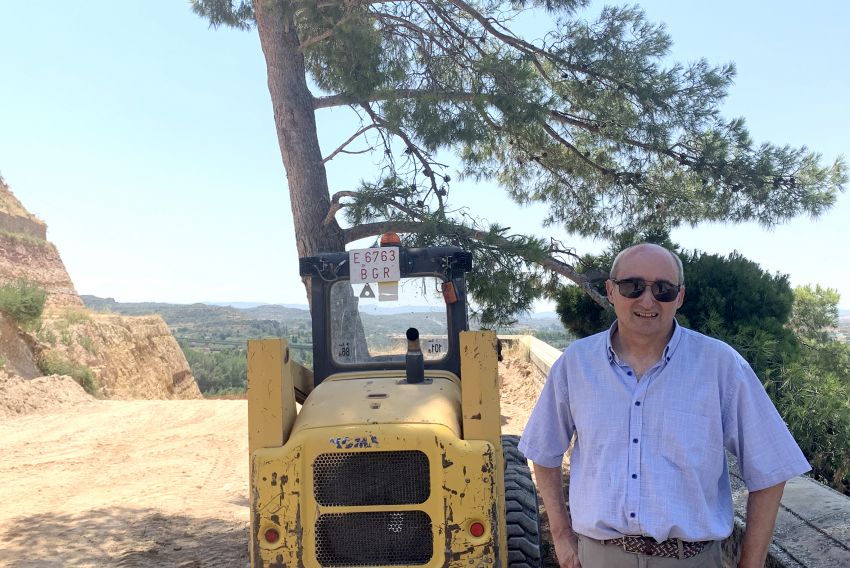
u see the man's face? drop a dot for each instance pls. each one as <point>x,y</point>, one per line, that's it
<point>645,316</point>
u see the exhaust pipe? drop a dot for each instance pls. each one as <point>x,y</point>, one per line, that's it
<point>414,360</point>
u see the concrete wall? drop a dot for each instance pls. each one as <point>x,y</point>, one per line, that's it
<point>813,525</point>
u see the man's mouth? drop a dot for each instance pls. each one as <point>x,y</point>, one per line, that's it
<point>646,315</point>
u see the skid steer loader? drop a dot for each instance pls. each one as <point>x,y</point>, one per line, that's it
<point>395,457</point>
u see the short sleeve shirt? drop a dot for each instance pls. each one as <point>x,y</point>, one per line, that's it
<point>649,455</point>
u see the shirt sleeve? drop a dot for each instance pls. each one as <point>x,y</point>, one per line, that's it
<point>756,434</point>
<point>547,434</point>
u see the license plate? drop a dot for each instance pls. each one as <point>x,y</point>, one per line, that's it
<point>374,265</point>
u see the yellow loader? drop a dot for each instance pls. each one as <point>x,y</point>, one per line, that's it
<point>396,456</point>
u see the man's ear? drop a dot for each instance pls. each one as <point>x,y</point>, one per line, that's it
<point>681,299</point>
<point>609,289</point>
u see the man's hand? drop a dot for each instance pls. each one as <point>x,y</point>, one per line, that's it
<point>550,485</point>
<point>566,549</point>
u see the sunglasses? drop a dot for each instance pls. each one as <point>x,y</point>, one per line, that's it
<point>662,290</point>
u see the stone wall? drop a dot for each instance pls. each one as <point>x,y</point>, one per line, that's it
<point>22,225</point>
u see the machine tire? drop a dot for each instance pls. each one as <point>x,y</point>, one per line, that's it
<point>525,540</point>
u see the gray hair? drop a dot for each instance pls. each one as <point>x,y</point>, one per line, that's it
<point>678,261</point>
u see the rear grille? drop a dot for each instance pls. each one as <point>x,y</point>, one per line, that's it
<point>357,479</point>
<point>374,539</point>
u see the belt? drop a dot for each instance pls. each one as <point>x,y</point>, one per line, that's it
<point>671,548</point>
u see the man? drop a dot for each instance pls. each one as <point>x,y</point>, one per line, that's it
<point>653,406</point>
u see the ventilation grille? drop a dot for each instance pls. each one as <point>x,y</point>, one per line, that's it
<point>357,479</point>
<point>374,539</point>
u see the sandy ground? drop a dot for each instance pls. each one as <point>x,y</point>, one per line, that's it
<point>144,483</point>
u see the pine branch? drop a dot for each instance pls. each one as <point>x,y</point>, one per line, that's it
<point>391,95</point>
<point>311,41</point>
<point>535,52</point>
<point>336,205</point>
<point>561,140</point>
<point>414,149</point>
<point>347,142</point>
<point>548,262</point>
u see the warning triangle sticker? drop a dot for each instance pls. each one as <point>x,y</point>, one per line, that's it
<point>367,292</point>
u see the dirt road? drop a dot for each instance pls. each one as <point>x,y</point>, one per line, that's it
<point>144,483</point>
<point>125,483</point>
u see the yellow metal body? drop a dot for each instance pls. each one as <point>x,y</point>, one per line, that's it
<point>271,393</point>
<point>455,424</point>
<point>482,415</point>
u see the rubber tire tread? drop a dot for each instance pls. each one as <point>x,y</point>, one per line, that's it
<point>525,540</point>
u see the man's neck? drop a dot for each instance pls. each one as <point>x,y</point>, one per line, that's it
<point>640,352</point>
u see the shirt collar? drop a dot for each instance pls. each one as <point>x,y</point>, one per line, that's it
<point>609,347</point>
<point>669,349</point>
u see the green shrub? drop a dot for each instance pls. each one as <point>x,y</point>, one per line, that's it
<point>47,336</point>
<point>22,301</point>
<point>86,342</point>
<point>2,362</point>
<point>24,238</point>
<point>815,404</point>
<point>54,364</point>
<point>218,372</point>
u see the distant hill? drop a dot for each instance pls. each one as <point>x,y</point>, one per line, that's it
<point>247,305</point>
<point>222,326</point>
<point>226,326</point>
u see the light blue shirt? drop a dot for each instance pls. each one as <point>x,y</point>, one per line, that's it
<point>649,455</point>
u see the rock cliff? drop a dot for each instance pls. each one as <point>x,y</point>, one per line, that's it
<point>119,357</point>
<point>129,357</point>
<point>26,254</point>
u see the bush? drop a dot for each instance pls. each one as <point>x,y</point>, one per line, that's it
<point>47,336</point>
<point>87,343</point>
<point>815,404</point>
<point>54,364</point>
<point>22,301</point>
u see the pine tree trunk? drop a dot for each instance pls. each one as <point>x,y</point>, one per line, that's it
<point>295,122</point>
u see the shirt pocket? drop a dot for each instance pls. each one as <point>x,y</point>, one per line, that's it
<point>688,441</point>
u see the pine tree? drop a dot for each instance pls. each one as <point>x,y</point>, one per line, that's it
<point>587,119</point>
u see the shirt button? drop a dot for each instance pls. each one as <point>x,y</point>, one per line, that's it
<point>635,441</point>
<point>629,373</point>
<point>634,476</point>
<point>637,403</point>
<point>632,515</point>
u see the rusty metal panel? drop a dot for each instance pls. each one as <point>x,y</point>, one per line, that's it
<point>482,418</point>
<point>463,479</point>
<point>276,486</point>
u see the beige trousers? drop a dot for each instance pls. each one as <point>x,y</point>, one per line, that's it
<point>592,554</point>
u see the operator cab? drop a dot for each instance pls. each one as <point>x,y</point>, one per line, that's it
<point>365,301</point>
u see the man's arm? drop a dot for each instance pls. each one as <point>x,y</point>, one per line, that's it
<point>550,483</point>
<point>762,507</point>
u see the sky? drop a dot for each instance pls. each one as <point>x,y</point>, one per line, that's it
<point>145,140</point>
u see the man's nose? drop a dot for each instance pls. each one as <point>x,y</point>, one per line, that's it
<point>646,298</point>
